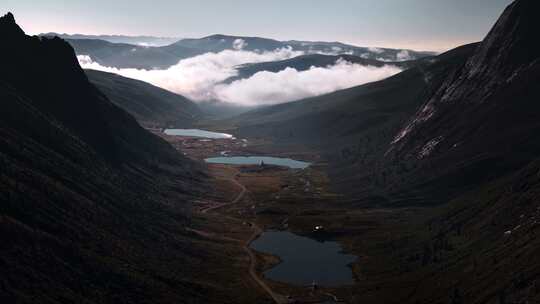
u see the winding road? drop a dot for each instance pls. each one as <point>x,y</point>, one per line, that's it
<point>278,298</point>
<point>237,199</point>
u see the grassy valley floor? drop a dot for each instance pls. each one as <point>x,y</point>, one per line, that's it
<point>437,254</point>
<point>250,199</point>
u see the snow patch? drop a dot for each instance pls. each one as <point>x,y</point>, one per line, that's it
<point>429,147</point>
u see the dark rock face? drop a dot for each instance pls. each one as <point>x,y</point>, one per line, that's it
<point>8,26</point>
<point>90,203</point>
<point>488,108</point>
<point>510,49</point>
<point>47,72</point>
<point>474,149</point>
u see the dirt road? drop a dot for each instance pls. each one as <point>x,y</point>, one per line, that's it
<point>278,298</point>
<point>237,199</point>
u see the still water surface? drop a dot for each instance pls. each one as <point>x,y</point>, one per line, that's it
<point>197,133</point>
<point>257,160</point>
<point>305,260</point>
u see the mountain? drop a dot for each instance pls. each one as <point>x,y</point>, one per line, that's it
<point>483,110</point>
<point>473,146</point>
<point>218,43</point>
<point>136,40</point>
<point>305,62</point>
<point>352,128</point>
<point>125,55</point>
<point>460,99</point>
<point>92,206</point>
<point>149,104</point>
<point>453,141</point>
<point>373,53</point>
<point>343,115</point>
<point>122,55</point>
<point>459,103</point>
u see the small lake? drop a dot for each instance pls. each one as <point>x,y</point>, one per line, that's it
<point>257,160</point>
<point>197,133</point>
<point>304,260</point>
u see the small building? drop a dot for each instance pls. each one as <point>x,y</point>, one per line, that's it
<point>314,286</point>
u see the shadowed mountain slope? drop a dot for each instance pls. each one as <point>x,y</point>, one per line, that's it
<point>344,115</point>
<point>92,206</point>
<point>147,103</point>
<point>485,117</point>
<point>473,145</point>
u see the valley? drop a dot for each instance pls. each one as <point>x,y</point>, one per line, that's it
<point>235,169</point>
<point>257,198</point>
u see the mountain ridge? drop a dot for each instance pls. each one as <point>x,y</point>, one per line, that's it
<point>123,55</point>
<point>136,40</point>
<point>93,208</point>
<point>494,85</point>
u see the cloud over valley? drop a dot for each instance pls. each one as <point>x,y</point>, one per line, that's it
<point>201,78</point>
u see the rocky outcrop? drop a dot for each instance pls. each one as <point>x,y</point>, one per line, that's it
<point>508,54</point>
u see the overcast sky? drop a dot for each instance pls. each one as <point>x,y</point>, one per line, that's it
<point>418,24</point>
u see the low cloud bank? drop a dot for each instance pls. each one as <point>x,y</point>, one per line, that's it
<point>200,78</point>
<point>195,77</point>
<point>290,84</point>
<point>402,55</point>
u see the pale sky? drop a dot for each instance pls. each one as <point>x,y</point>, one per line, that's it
<point>435,25</point>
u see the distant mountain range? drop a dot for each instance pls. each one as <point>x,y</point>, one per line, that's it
<point>217,43</point>
<point>122,55</point>
<point>136,40</point>
<point>125,55</point>
<point>305,62</point>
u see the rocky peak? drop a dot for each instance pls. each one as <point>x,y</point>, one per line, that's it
<point>510,49</point>
<point>512,43</point>
<point>8,27</point>
<point>8,18</point>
